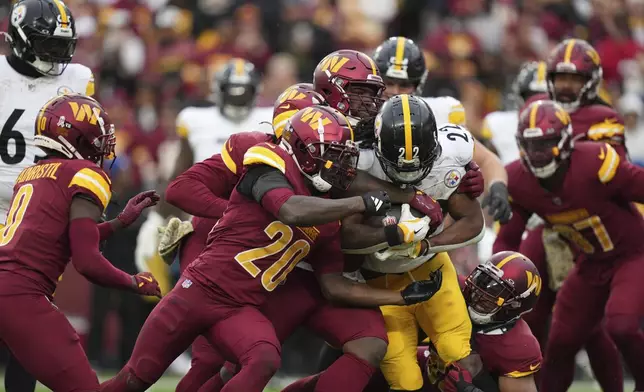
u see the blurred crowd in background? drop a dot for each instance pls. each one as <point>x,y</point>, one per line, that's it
<point>151,58</point>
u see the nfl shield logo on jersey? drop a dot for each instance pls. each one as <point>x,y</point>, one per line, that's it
<point>186,283</point>
<point>452,178</point>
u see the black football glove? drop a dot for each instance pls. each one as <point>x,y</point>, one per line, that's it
<point>464,386</point>
<point>498,202</point>
<point>423,290</point>
<point>364,132</point>
<point>376,203</point>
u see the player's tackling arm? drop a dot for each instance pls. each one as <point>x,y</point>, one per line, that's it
<point>365,182</point>
<point>521,384</point>
<point>468,226</point>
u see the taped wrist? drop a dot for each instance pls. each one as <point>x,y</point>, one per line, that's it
<point>392,236</point>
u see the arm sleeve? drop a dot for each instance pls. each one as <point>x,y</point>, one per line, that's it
<point>88,261</point>
<point>509,235</point>
<point>267,186</point>
<point>624,179</point>
<point>92,184</point>
<point>203,190</point>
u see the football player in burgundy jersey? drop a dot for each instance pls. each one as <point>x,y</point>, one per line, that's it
<point>585,193</point>
<point>573,76</point>
<point>213,180</point>
<point>53,217</point>
<point>272,222</point>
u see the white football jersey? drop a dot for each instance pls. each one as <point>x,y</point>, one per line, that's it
<point>502,128</point>
<point>21,99</point>
<point>207,129</point>
<point>446,110</point>
<point>457,151</point>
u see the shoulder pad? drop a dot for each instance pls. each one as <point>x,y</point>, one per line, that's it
<point>94,180</point>
<point>605,122</point>
<point>265,154</point>
<point>599,159</point>
<point>457,144</point>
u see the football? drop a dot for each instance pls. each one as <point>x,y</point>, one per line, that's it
<point>393,213</point>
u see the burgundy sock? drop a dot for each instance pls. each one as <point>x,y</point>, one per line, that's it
<point>629,338</point>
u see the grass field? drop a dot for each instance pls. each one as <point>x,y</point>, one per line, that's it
<point>167,384</point>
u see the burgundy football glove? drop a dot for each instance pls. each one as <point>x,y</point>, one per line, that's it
<point>426,205</point>
<point>145,284</point>
<point>472,183</point>
<point>136,205</point>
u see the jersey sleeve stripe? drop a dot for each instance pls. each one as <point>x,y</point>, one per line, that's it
<point>182,130</point>
<point>609,167</point>
<point>94,183</point>
<point>456,115</point>
<point>605,130</point>
<point>228,161</point>
<point>518,374</point>
<point>91,88</point>
<point>263,156</point>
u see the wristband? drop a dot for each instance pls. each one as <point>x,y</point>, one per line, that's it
<point>392,236</point>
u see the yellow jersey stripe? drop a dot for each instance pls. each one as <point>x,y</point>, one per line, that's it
<point>400,53</point>
<point>609,167</point>
<point>457,115</point>
<point>182,130</point>
<point>91,87</point>
<point>508,259</point>
<point>407,124</point>
<point>263,156</point>
<point>228,161</point>
<point>568,53</point>
<point>541,72</point>
<point>95,183</point>
<point>533,115</point>
<point>64,18</point>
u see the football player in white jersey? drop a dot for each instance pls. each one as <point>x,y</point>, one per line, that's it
<point>42,37</point>
<point>410,150</point>
<point>501,126</point>
<point>402,66</point>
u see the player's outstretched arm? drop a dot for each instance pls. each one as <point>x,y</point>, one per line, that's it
<point>468,227</point>
<point>270,187</point>
<point>84,241</point>
<point>521,384</point>
<point>203,189</point>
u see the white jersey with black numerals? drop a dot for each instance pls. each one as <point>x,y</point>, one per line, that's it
<point>502,128</point>
<point>457,151</point>
<point>207,129</point>
<point>21,99</point>
<point>446,110</point>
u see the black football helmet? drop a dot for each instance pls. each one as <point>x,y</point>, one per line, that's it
<point>235,89</point>
<point>43,34</point>
<point>401,62</point>
<point>406,139</point>
<point>531,80</point>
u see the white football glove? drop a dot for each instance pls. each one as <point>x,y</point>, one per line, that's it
<point>147,241</point>
<point>410,251</point>
<point>414,229</point>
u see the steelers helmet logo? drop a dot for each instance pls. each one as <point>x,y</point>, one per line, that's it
<point>452,179</point>
<point>18,15</point>
<point>64,90</point>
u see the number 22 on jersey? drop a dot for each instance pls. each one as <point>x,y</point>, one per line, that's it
<point>292,253</point>
<point>16,213</point>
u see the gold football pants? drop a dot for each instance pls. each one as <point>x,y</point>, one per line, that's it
<point>443,318</point>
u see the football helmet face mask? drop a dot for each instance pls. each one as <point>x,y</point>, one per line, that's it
<point>544,137</point>
<point>77,127</point>
<point>350,82</point>
<point>294,98</point>
<point>42,33</point>
<point>574,74</point>
<point>530,80</point>
<point>402,66</point>
<point>502,289</point>
<point>235,89</point>
<point>406,139</point>
<point>320,139</point>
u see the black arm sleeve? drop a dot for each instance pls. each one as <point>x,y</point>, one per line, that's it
<point>259,180</point>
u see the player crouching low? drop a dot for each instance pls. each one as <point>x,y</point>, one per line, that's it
<point>53,217</point>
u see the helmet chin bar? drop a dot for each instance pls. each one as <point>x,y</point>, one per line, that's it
<point>478,318</point>
<point>543,172</point>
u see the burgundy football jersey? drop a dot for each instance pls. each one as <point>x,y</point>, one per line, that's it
<point>34,241</point>
<point>593,209</point>
<point>224,170</point>
<point>250,252</point>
